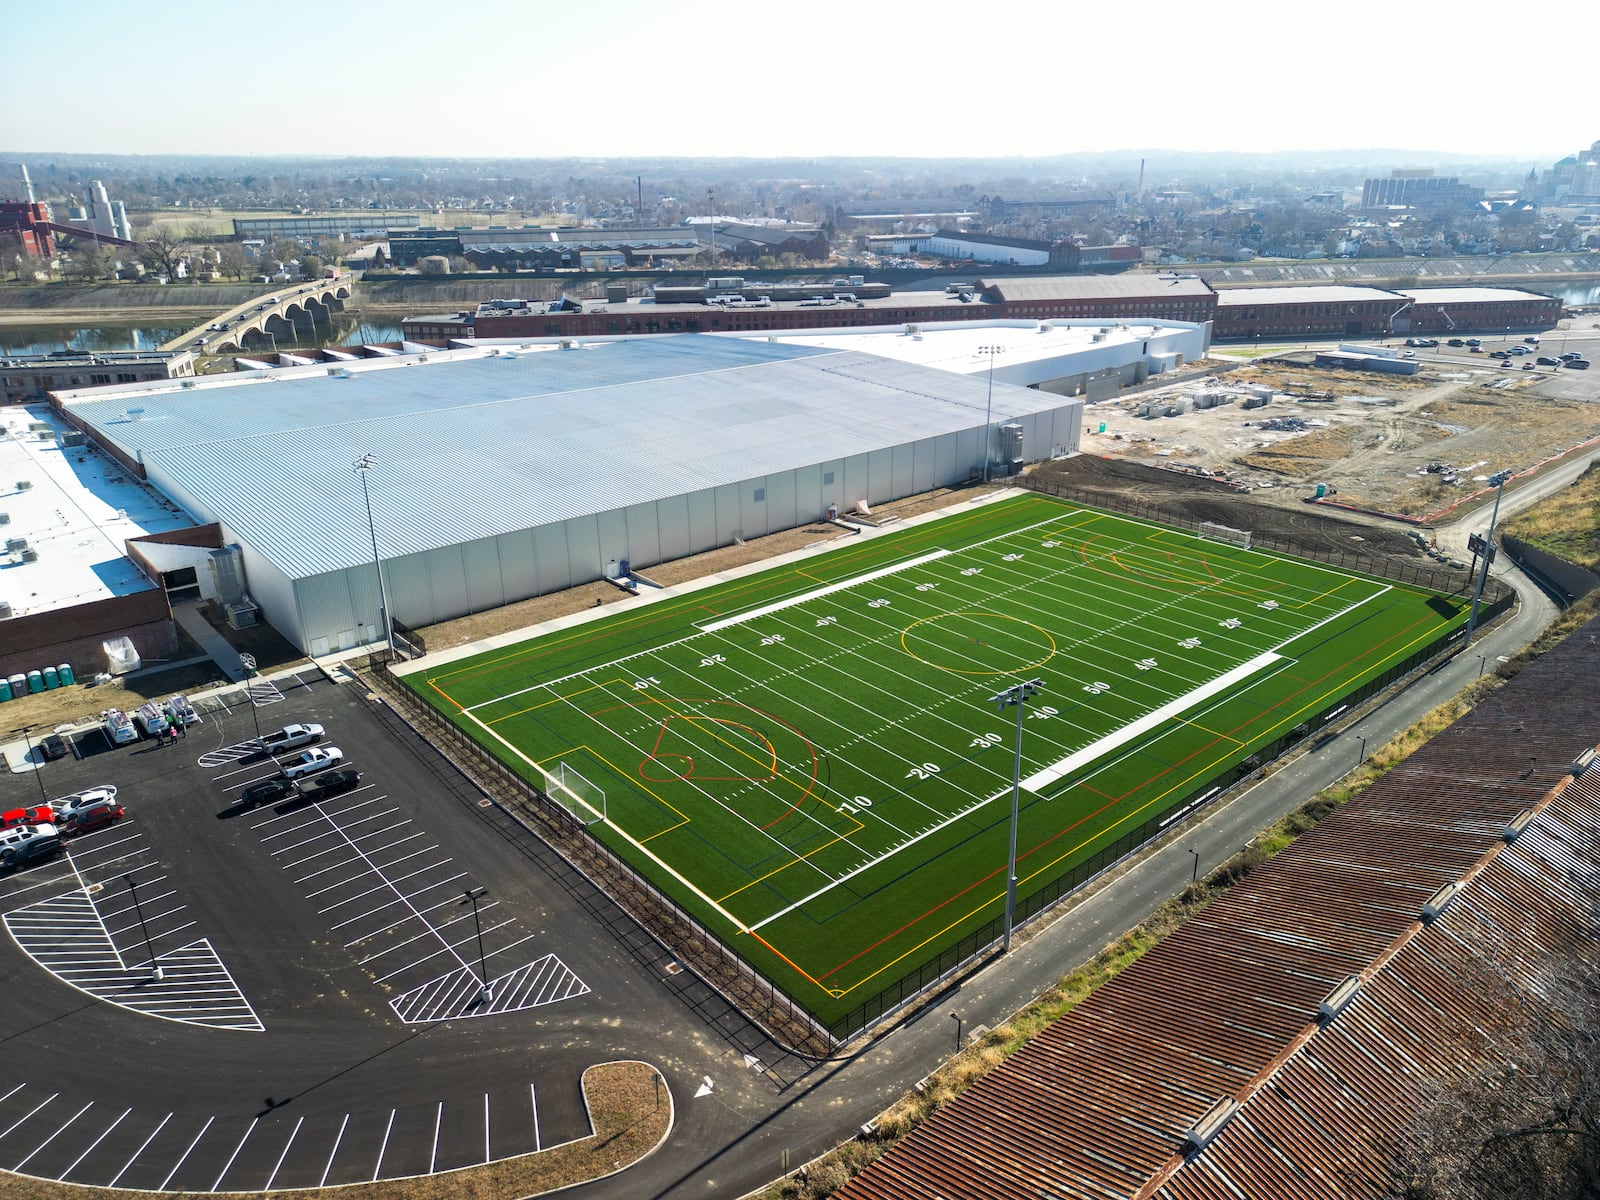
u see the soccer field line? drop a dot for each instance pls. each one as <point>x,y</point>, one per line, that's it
<point>826,590</point>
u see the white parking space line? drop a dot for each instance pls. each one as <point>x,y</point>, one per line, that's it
<point>90,1150</point>
<point>248,1131</point>
<point>186,1154</point>
<point>293,1134</point>
<point>53,1136</point>
<point>533,1101</point>
<point>433,1155</point>
<point>387,1130</point>
<point>337,1138</point>
<point>10,1128</point>
<point>142,1146</point>
<point>486,1127</point>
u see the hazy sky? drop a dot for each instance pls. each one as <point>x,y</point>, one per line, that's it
<point>619,78</point>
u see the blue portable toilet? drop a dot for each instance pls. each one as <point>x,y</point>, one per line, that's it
<point>51,679</point>
<point>5,688</point>
<point>65,672</point>
<point>35,681</point>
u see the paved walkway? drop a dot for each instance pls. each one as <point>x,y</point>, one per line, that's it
<point>213,643</point>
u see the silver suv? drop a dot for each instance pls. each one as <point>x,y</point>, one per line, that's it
<point>27,844</point>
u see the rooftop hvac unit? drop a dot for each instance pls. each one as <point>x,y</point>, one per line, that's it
<point>1336,1001</point>
<point>227,572</point>
<point>74,437</point>
<point>24,485</point>
<point>5,610</point>
<point>1011,443</point>
<point>1516,825</point>
<point>240,616</point>
<point>1581,763</point>
<point>30,555</point>
<point>188,383</point>
<point>1439,900</point>
<point>15,544</point>
<point>5,518</point>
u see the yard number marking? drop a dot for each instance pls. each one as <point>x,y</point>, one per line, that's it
<point>1269,604</point>
<point>772,639</point>
<point>926,587</point>
<point>972,570</point>
<point>1146,664</point>
<point>1231,623</point>
<point>856,805</point>
<point>922,771</point>
<point>639,685</point>
<point>1098,687</point>
<point>1190,643</point>
<point>1010,557</point>
<point>821,621</point>
<point>984,740</point>
<point>880,602</point>
<point>712,660</point>
<point>1042,712</point>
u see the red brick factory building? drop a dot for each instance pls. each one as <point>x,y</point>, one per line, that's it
<point>1350,311</point>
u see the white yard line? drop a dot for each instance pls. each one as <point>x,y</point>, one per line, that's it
<point>828,590</point>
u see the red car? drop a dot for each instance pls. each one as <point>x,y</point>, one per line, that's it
<point>91,816</point>
<point>41,815</point>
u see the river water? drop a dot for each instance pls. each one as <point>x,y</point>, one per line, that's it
<point>149,335</point>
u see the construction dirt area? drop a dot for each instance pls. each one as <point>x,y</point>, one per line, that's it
<point>1410,446</point>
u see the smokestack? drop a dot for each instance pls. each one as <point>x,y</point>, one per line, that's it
<point>1141,179</point>
<point>639,180</point>
<point>27,184</point>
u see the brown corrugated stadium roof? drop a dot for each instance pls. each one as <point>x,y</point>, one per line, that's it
<point>1100,1104</point>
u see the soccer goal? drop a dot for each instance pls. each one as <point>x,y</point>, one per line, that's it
<point>1225,533</point>
<point>584,800</point>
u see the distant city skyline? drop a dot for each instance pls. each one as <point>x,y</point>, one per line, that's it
<point>830,78</point>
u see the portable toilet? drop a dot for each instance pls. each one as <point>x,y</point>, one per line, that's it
<point>19,684</point>
<point>51,679</point>
<point>65,673</point>
<point>1102,426</point>
<point>36,681</point>
<point>5,688</point>
<point>1322,490</point>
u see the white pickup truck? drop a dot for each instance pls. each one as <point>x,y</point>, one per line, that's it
<point>290,737</point>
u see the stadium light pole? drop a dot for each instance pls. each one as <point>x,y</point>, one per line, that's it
<point>1499,481</point>
<point>992,350</point>
<point>156,974</point>
<point>364,464</point>
<point>248,662</point>
<point>485,992</point>
<point>25,731</point>
<point>1017,696</point>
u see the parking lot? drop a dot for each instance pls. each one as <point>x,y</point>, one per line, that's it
<point>320,1015</point>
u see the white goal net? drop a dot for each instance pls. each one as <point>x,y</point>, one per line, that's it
<point>1225,533</point>
<point>584,800</point>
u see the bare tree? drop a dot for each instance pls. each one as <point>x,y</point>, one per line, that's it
<point>232,260</point>
<point>159,250</point>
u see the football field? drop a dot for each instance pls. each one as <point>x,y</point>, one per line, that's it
<point>811,758</point>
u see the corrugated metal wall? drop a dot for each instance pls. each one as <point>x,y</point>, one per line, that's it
<point>328,611</point>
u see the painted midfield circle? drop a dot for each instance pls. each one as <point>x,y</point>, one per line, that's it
<point>978,643</point>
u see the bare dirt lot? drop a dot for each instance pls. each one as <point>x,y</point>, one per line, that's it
<point>1411,446</point>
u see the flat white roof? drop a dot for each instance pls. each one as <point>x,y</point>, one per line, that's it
<point>1469,295</point>
<point>1323,294</point>
<point>79,510</point>
<point>959,346</point>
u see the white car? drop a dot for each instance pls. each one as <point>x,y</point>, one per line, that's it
<point>290,737</point>
<point>65,806</point>
<point>309,762</point>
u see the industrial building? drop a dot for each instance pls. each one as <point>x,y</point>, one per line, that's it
<point>357,224</point>
<point>1418,189</point>
<point>1446,310</point>
<point>1350,311</point>
<point>544,247</point>
<point>27,377</point>
<point>763,308</point>
<point>503,473</point>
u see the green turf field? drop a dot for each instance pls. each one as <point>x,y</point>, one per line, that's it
<point>810,760</point>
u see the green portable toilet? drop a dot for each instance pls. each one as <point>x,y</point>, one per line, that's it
<point>1322,490</point>
<point>35,681</point>
<point>1102,426</point>
<point>5,688</point>
<point>65,672</point>
<point>51,679</point>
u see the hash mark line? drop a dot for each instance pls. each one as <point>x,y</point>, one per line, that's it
<point>827,590</point>
<point>140,1151</point>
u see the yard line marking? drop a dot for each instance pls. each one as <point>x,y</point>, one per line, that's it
<point>337,1138</point>
<point>140,1151</point>
<point>1142,725</point>
<point>389,1128</point>
<point>54,1135</point>
<point>293,1134</point>
<point>828,590</point>
<point>186,1154</point>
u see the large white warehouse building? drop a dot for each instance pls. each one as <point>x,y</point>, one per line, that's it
<point>503,473</point>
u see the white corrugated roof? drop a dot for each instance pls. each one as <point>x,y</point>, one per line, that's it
<point>471,444</point>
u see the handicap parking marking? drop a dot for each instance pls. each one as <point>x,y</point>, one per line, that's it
<point>368,868</point>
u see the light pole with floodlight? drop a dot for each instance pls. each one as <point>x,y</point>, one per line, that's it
<point>1499,481</point>
<point>362,465</point>
<point>156,974</point>
<point>248,662</point>
<point>25,731</point>
<point>1017,695</point>
<point>992,350</point>
<point>485,992</point>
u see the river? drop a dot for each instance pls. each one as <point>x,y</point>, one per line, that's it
<point>149,335</point>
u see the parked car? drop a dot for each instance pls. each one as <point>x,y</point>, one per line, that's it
<point>65,806</point>
<point>1577,364</point>
<point>54,746</point>
<point>268,791</point>
<point>1498,353</point>
<point>1532,339</point>
<point>331,784</point>
<point>290,737</point>
<point>1455,342</point>
<point>1476,349</point>
<point>307,762</point>
<point>1570,355</point>
<point>41,814</point>
<point>27,845</point>
<point>1527,366</point>
<point>1544,360</point>
<point>87,818</point>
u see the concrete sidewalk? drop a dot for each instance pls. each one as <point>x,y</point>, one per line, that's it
<point>190,620</point>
